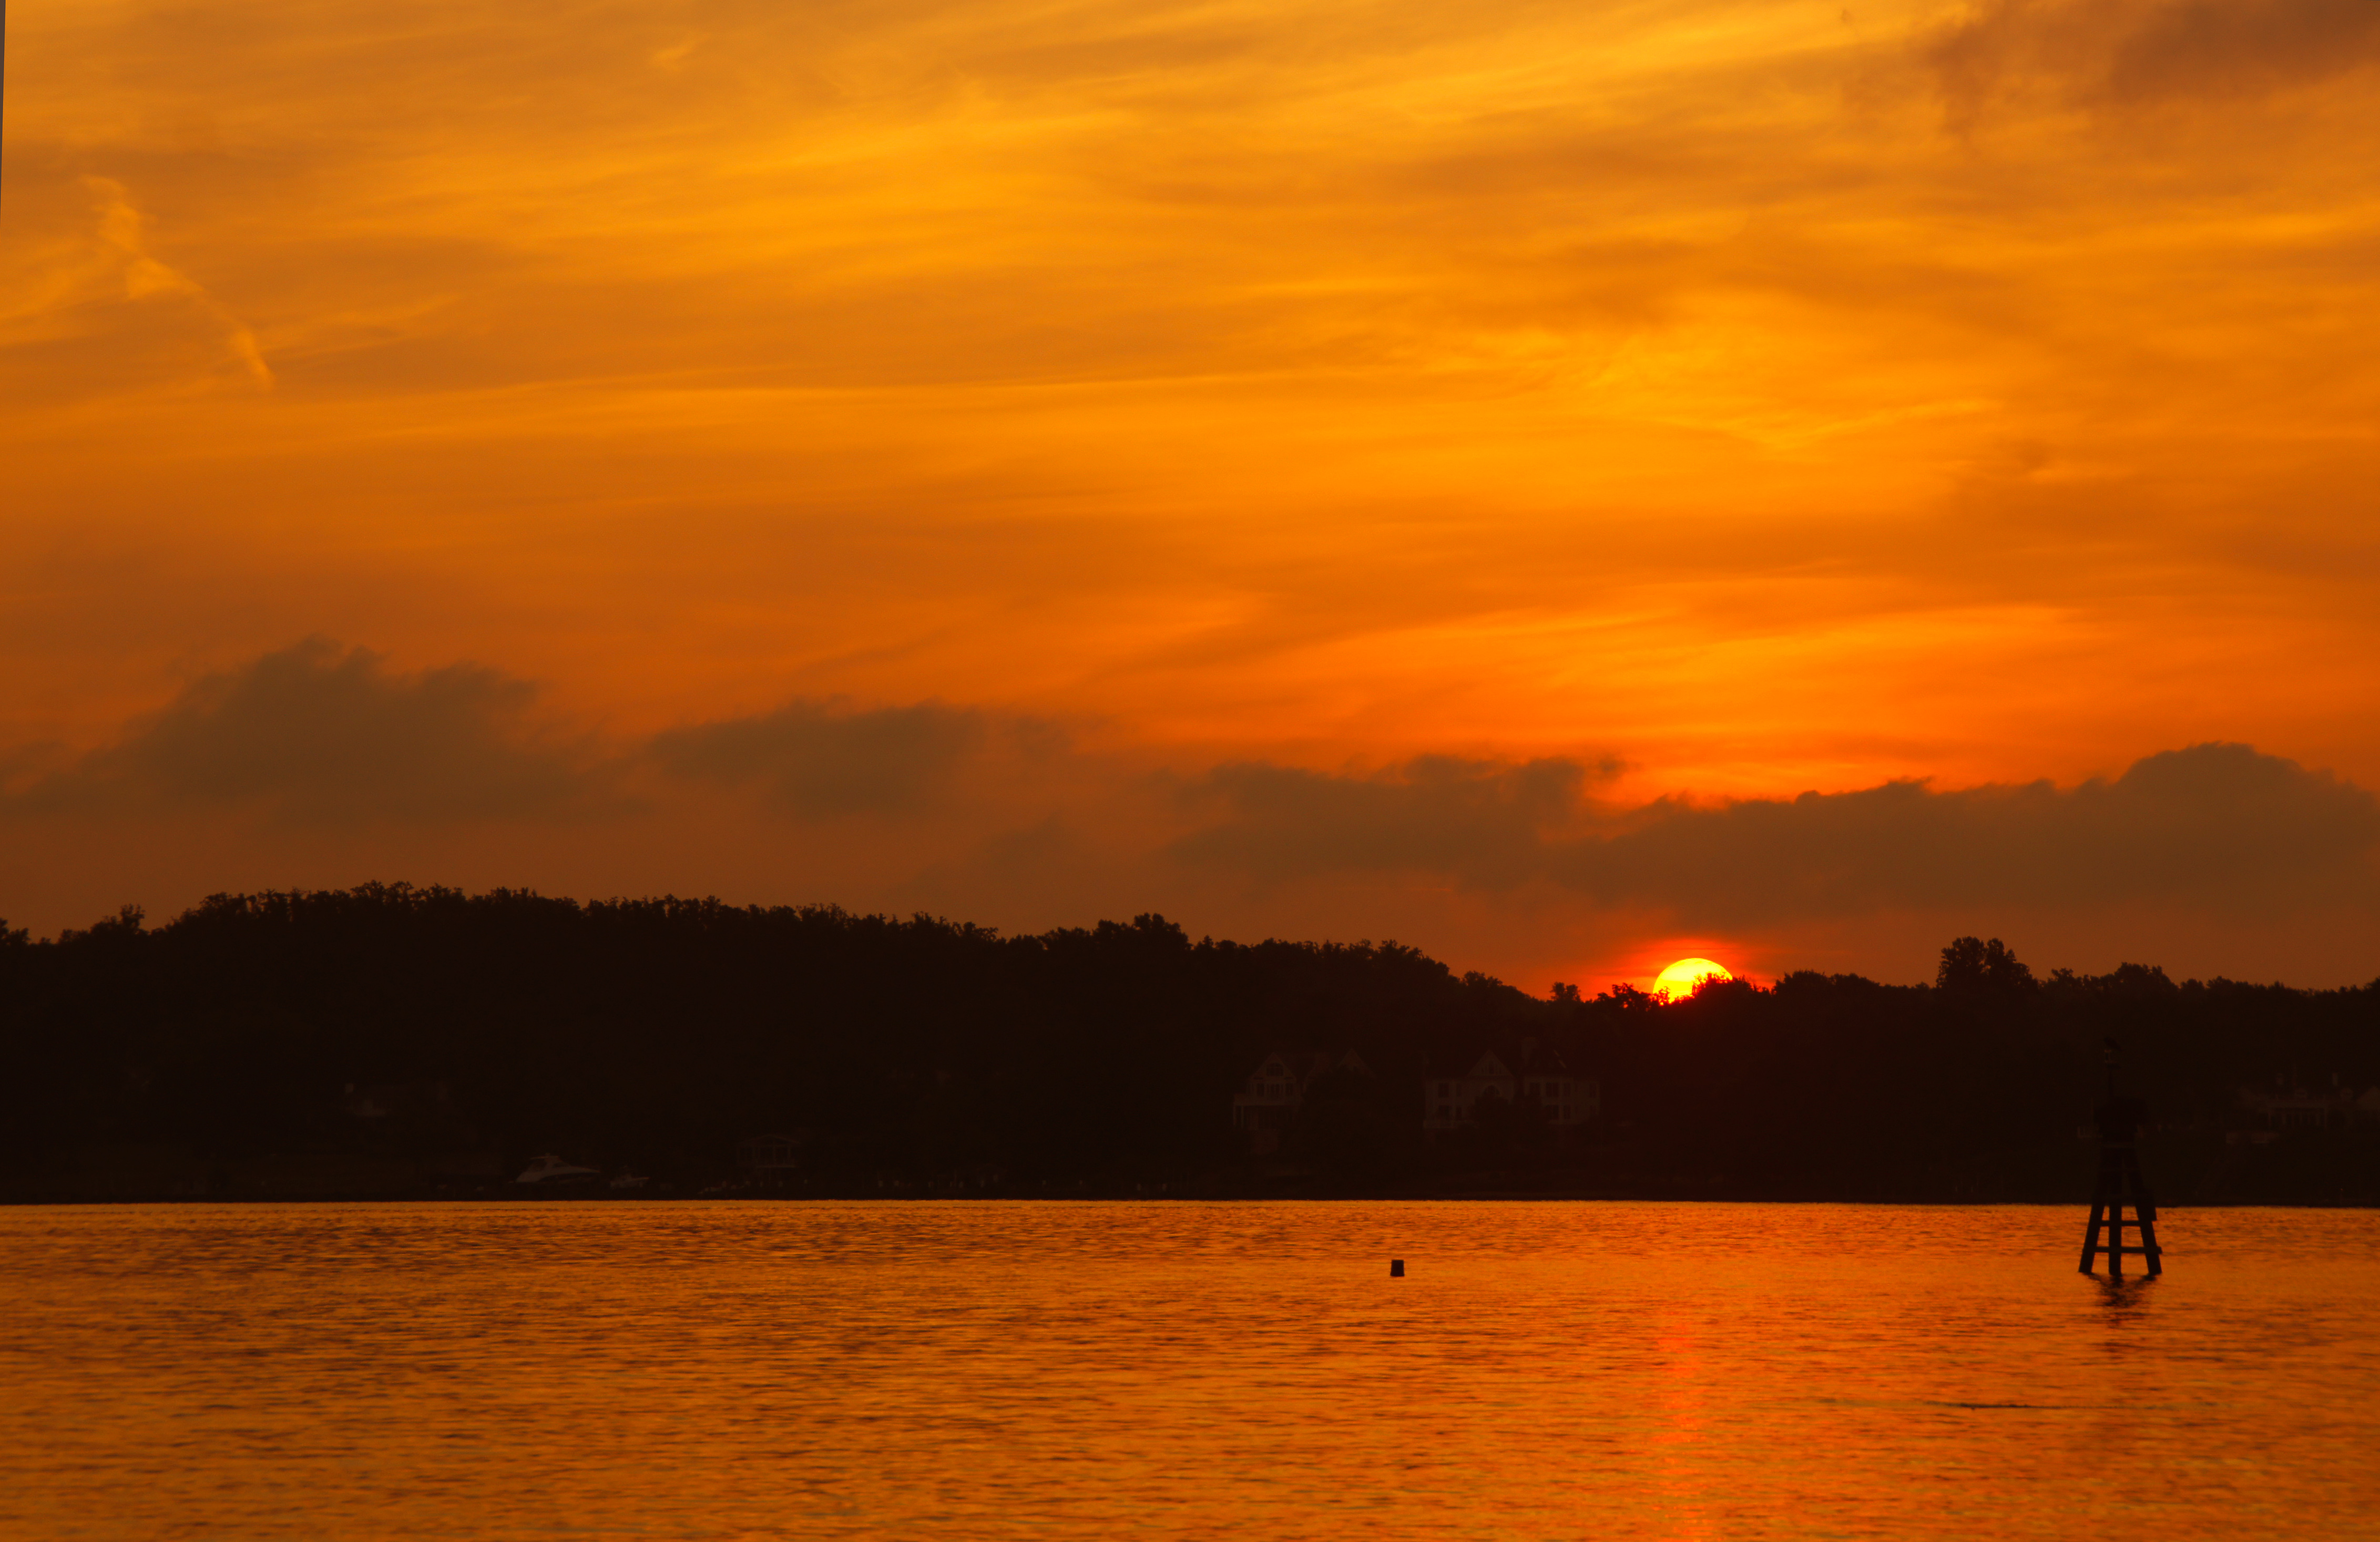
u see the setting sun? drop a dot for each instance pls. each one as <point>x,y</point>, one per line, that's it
<point>1687,974</point>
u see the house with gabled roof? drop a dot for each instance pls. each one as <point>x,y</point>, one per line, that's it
<point>1536,1074</point>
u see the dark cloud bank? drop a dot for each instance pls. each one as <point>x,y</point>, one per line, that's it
<point>321,737</point>
<point>2216,827</point>
<point>816,763</point>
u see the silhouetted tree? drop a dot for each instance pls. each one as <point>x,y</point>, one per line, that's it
<point>1973,967</point>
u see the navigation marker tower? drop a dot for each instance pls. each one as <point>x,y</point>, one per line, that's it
<point>2120,1182</point>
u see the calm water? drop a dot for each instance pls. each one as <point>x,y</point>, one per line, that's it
<point>1111,1370</point>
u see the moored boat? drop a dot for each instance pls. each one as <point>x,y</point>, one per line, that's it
<point>551,1172</point>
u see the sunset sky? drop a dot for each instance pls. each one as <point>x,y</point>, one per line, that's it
<point>1565,486</point>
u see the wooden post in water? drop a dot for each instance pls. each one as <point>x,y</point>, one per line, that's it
<point>2120,1182</point>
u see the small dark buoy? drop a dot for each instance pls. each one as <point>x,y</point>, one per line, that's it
<point>1396,1269</point>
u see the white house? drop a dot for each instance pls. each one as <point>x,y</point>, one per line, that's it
<point>2296,1108</point>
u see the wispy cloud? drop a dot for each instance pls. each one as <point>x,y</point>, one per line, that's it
<point>120,231</point>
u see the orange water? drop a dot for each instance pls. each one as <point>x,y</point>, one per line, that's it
<point>1163,1371</point>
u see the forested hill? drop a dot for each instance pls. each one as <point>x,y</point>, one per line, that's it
<point>400,1040</point>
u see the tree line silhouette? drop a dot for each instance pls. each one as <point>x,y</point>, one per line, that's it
<point>411,1039</point>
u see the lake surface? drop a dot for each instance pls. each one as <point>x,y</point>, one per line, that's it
<point>1179,1371</point>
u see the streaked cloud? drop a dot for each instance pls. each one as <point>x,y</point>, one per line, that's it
<point>147,278</point>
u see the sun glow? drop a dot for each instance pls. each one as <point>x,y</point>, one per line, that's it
<point>1687,974</point>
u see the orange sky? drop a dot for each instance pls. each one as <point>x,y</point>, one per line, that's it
<point>1041,461</point>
